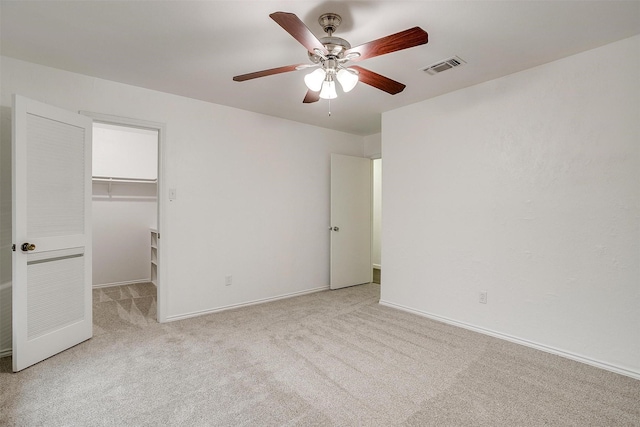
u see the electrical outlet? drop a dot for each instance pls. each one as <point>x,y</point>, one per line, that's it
<point>228,280</point>
<point>483,297</point>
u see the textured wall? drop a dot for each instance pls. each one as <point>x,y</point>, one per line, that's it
<point>527,187</point>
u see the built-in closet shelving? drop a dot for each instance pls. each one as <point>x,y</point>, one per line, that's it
<point>154,256</point>
<point>119,180</point>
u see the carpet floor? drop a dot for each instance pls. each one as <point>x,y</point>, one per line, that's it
<point>333,358</point>
<point>123,307</point>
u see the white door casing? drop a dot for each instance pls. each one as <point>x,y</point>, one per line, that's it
<point>351,187</point>
<point>51,194</point>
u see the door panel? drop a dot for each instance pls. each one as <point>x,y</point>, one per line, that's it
<point>351,186</point>
<point>52,211</point>
<point>55,291</point>
<point>55,171</point>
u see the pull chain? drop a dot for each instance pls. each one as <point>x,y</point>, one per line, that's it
<point>329,107</point>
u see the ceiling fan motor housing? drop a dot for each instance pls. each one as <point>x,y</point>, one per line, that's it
<point>336,46</point>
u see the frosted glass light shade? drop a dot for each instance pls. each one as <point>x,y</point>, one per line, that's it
<point>347,79</point>
<point>314,80</point>
<point>328,90</point>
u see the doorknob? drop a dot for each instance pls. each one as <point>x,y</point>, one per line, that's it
<point>336,228</point>
<point>28,247</point>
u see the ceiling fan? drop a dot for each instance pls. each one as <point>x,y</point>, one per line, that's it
<point>331,54</point>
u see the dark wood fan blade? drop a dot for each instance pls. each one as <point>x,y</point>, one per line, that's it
<point>265,73</point>
<point>311,96</point>
<point>378,81</point>
<point>403,40</point>
<point>294,26</point>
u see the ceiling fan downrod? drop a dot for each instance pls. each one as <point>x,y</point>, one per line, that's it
<point>329,22</point>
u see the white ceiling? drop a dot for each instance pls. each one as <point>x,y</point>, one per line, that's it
<point>194,48</point>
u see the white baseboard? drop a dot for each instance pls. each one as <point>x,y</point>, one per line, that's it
<point>130,282</point>
<point>6,353</point>
<point>516,340</point>
<point>244,304</point>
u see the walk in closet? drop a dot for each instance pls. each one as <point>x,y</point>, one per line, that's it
<point>125,205</point>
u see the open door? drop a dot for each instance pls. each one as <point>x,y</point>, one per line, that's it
<point>351,186</point>
<point>51,283</point>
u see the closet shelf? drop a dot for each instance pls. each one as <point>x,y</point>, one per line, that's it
<point>109,179</point>
<point>154,256</point>
<point>118,180</point>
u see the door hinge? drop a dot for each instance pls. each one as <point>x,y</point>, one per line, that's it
<point>158,235</point>
<point>13,247</point>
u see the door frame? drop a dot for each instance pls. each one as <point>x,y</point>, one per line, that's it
<point>162,240</point>
<point>376,156</point>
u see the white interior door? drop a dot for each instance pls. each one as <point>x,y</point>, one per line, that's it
<point>51,283</point>
<point>350,221</point>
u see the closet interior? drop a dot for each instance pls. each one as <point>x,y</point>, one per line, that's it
<point>125,205</point>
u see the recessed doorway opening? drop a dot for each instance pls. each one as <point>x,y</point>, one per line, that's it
<point>376,243</point>
<point>126,184</point>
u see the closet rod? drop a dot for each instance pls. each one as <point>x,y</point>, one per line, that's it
<point>112,179</point>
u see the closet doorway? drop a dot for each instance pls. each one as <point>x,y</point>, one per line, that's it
<point>376,217</point>
<point>125,220</point>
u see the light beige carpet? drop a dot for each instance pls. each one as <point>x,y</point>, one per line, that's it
<point>333,358</point>
<point>123,307</point>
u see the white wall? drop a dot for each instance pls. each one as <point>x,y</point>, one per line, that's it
<point>121,233</point>
<point>124,151</point>
<point>373,146</point>
<point>527,187</point>
<point>123,217</point>
<point>252,196</point>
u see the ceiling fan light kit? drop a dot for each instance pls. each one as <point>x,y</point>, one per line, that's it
<point>331,63</point>
<point>315,79</point>
<point>331,55</point>
<point>328,90</point>
<point>323,79</point>
<point>348,78</point>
